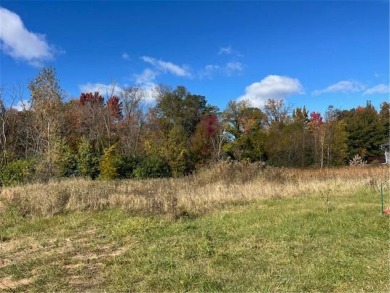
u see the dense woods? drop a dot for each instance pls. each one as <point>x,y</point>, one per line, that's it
<point>118,136</point>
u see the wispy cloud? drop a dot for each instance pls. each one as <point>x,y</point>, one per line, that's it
<point>209,71</point>
<point>147,76</point>
<point>167,67</point>
<point>225,50</point>
<point>344,86</point>
<point>233,67</point>
<point>103,89</point>
<point>147,80</point>
<point>228,50</point>
<point>271,87</point>
<point>378,89</point>
<point>21,44</point>
<point>229,69</point>
<point>23,104</point>
<point>125,56</point>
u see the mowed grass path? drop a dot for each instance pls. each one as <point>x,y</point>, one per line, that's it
<point>295,244</point>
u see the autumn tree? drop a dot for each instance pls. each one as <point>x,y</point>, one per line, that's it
<point>172,124</point>
<point>336,138</point>
<point>131,126</point>
<point>46,107</point>
<point>108,163</point>
<point>208,139</point>
<point>3,135</point>
<point>91,124</point>
<point>278,143</point>
<point>244,125</point>
<point>300,141</point>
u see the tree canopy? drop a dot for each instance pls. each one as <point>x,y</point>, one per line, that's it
<point>112,136</point>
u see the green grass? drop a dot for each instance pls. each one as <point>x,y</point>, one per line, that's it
<point>288,245</point>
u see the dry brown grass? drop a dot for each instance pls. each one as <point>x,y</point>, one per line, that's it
<point>213,187</point>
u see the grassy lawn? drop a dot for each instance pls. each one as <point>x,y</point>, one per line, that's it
<point>290,244</point>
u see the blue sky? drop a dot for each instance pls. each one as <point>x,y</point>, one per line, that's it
<point>312,53</point>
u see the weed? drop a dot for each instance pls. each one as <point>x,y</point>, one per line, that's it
<point>220,185</point>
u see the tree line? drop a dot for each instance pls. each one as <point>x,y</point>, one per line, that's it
<point>116,137</point>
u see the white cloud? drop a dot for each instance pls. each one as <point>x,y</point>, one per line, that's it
<point>146,77</point>
<point>209,70</point>
<point>233,67</point>
<point>19,43</point>
<point>378,89</point>
<point>150,93</point>
<point>228,51</point>
<point>229,69</point>
<point>22,105</point>
<point>271,87</point>
<point>103,89</point>
<point>225,50</point>
<point>147,80</point>
<point>169,67</point>
<point>344,86</point>
<point>125,56</point>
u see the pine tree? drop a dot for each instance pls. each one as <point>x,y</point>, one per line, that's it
<point>87,160</point>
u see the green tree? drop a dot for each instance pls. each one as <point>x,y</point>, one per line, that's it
<point>384,116</point>
<point>152,167</point>
<point>87,159</point>
<point>336,139</point>
<point>64,159</point>
<point>365,131</point>
<point>180,107</point>
<point>244,129</point>
<point>177,152</point>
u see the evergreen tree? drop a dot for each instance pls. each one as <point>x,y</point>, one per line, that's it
<point>87,160</point>
<point>365,132</point>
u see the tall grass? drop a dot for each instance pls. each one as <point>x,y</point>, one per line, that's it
<point>210,188</point>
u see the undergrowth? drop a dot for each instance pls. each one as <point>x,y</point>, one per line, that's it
<point>211,188</point>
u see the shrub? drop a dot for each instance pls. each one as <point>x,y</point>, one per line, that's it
<point>16,172</point>
<point>64,159</point>
<point>357,161</point>
<point>126,166</point>
<point>87,160</point>
<point>108,163</point>
<point>152,167</point>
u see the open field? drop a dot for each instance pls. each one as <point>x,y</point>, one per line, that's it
<point>276,230</point>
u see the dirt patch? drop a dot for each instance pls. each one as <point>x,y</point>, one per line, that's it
<point>73,266</point>
<point>118,252</point>
<point>8,284</point>
<point>4,262</point>
<point>103,252</point>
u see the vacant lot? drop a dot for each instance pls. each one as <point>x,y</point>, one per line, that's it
<point>325,240</point>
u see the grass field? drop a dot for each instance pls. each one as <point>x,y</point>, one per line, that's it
<point>320,240</point>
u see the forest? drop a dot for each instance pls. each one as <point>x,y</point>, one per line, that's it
<point>119,136</point>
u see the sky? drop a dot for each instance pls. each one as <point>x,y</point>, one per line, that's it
<point>309,53</point>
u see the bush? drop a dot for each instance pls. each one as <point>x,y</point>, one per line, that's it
<point>64,159</point>
<point>126,166</point>
<point>152,167</point>
<point>108,169</point>
<point>17,172</point>
<point>87,160</point>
